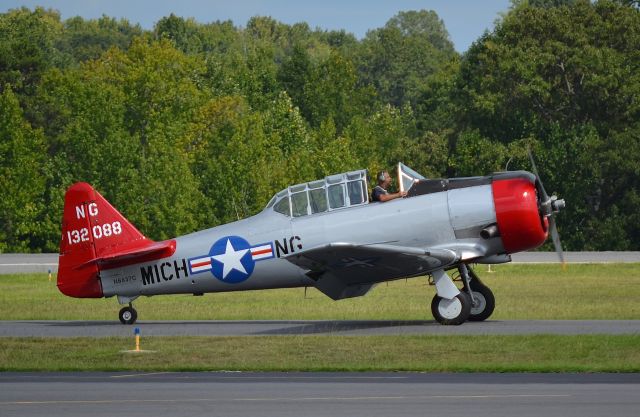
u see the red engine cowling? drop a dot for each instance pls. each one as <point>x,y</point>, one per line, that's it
<point>520,222</point>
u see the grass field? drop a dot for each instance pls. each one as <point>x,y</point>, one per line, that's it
<point>536,353</point>
<point>522,292</point>
<point>584,291</point>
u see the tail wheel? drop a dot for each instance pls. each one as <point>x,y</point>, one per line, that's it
<point>451,312</point>
<point>128,315</point>
<point>484,302</point>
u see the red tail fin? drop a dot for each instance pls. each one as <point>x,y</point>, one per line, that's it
<point>96,236</point>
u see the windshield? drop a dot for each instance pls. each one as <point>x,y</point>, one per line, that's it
<point>407,177</point>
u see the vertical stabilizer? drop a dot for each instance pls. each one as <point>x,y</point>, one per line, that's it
<point>92,230</point>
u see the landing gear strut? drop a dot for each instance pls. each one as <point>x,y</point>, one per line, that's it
<point>128,315</point>
<point>482,300</point>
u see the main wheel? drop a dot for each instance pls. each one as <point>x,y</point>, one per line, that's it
<point>484,302</point>
<point>451,312</point>
<point>128,315</point>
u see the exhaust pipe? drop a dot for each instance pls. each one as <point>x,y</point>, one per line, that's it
<point>490,231</point>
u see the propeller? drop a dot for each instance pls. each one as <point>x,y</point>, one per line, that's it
<point>549,206</point>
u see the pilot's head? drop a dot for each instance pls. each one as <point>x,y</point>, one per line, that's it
<point>384,179</point>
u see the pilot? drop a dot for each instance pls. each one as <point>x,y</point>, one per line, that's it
<point>380,192</point>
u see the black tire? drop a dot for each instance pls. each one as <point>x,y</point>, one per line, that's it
<point>128,315</point>
<point>485,302</point>
<point>451,312</point>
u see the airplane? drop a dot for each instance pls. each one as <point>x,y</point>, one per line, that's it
<point>325,234</point>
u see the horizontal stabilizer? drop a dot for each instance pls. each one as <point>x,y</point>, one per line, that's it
<point>155,250</point>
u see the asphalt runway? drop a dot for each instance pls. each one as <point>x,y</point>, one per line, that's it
<point>318,394</point>
<point>29,328</point>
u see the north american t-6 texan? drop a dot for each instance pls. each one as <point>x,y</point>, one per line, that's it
<point>325,234</point>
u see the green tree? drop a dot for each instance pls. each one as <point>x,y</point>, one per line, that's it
<point>22,169</point>
<point>27,50</point>
<point>120,123</point>
<point>185,33</point>
<point>294,73</point>
<point>331,91</point>
<point>549,3</point>
<point>398,58</point>
<point>568,78</point>
<point>88,39</point>
<point>192,125</point>
<point>239,155</point>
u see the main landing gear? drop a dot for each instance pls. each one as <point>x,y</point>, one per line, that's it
<point>451,312</point>
<point>483,302</point>
<point>450,306</point>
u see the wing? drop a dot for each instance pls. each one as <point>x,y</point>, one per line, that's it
<point>343,270</point>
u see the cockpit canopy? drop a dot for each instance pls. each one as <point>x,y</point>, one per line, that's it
<point>334,192</point>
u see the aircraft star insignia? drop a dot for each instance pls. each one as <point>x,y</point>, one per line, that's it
<point>231,259</point>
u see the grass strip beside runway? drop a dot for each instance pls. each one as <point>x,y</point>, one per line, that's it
<point>523,292</point>
<point>535,353</point>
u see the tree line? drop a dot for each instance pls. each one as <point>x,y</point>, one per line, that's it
<point>190,125</point>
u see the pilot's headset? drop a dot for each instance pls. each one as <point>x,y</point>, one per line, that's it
<point>381,176</point>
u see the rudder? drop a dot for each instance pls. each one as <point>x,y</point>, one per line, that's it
<point>92,230</point>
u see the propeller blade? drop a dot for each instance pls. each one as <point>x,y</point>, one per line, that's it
<point>555,237</point>
<point>549,206</point>
<point>545,196</point>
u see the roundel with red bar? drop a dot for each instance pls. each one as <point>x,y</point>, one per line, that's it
<point>231,259</point>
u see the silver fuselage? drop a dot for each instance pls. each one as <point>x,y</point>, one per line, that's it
<point>449,219</point>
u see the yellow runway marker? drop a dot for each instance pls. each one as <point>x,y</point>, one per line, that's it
<point>137,349</point>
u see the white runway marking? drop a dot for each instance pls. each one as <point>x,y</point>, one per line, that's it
<point>289,399</point>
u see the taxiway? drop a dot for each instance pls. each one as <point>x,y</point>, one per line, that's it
<point>53,328</point>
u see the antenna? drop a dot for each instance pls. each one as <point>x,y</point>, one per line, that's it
<point>506,167</point>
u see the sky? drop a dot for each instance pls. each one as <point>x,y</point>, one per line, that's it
<point>465,20</point>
